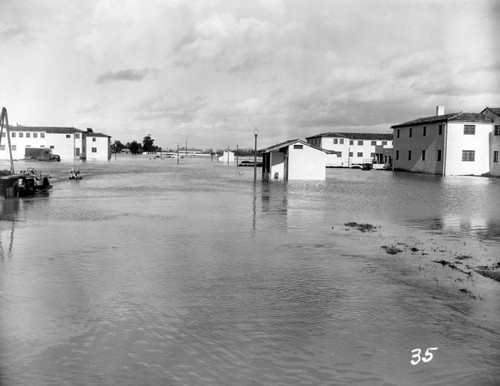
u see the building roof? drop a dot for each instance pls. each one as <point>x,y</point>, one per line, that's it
<point>97,135</point>
<point>494,110</point>
<point>453,117</point>
<point>56,130</point>
<point>356,136</point>
<point>286,144</point>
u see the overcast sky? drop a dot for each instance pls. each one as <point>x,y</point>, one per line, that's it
<point>210,71</point>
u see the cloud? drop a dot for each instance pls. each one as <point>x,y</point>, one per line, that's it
<point>129,75</point>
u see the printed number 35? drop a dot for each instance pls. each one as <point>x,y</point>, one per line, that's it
<point>426,358</point>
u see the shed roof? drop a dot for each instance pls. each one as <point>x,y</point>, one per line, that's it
<point>356,136</point>
<point>453,117</point>
<point>282,145</point>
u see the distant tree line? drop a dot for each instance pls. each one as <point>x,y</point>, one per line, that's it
<point>135,147</point>
<point>148,146</point>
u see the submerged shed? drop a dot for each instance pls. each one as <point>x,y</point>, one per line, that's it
<point>293,160</point>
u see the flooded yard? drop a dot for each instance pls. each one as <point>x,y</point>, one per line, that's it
<point>149,272</point>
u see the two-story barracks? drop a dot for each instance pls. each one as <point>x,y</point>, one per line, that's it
<point>67,142</point>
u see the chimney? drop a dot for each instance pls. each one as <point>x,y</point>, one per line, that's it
<point>439,110</point>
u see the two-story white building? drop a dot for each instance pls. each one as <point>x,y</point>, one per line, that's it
<point>349,149</point>
<point>67,142</point>
<point>449,144</point>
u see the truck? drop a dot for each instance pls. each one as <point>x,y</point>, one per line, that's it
<point>40,154</point>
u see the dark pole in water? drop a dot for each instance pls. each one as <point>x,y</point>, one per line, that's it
<point>236,156</point>
<point>255,132</point>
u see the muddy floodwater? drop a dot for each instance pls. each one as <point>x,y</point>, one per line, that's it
<point>146,272</point>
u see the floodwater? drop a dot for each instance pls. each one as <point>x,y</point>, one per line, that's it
<point>151,273</point>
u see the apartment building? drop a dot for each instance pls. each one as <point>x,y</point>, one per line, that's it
<point>350,149</point>
<point>449,144</point>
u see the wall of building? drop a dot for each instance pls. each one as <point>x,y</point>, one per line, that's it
<point>64,145</point>
<point>306,163</point>
<point>457,142</point>
<point>417,143</point>
<point>277,165</point>
<point>97,148</point>
<point>19,141</point>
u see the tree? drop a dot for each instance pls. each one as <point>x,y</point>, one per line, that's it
<point>147,144</point>
<point>134,147</point>
<point>117,147</point>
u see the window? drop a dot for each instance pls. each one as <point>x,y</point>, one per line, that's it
<point>384,143</point>
<point>77,151</point>
<point>339,154</point>
<point>35,135</point>
<point>28,135</point>
<point>425,131</point>
<point>470,129</point>
<point>495,156</point>
<point>423,155</point>
<point>335,141</point>
<point>51,146</point>
<point>300,147</point>
<point>94,150</point>
<point>497,129</point>
<point>360,154</point>
<point>398,133</point>
<point>440,132</point>
<point>42,135</point>
<point>409,155</point>
<point>68,135</point>
<point>374,143</point>
<point>28,145</point>
<point>468,155</point>
<point>14,147</point>
<point>351,142</point>
<point>94,139</point>
<point>13,135</point>
<point>341,141</point>
<point>77,136</point>
<point>439,155</point>
<point>351,154</point>
<point>372,155</point>
<point>411,132</point>
<point>21,135</point>
<point>360,143</point>
<point>2,147</point>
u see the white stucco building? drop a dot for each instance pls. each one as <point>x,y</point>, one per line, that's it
<point>348,149</point>
<point>67,142</point>
<point>449,144</point>
<point>293,160</point>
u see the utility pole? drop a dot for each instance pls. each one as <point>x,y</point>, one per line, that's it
<point>255,133</point>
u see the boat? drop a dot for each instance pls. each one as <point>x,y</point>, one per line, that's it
<point>24,183</point>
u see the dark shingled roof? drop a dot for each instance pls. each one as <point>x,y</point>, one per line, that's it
<point>57,130</point>
<point>454,117</point>
<point>356,136</point>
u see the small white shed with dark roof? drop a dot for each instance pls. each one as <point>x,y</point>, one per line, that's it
<point>293,160</point>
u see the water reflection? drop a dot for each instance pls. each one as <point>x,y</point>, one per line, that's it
<point>8,218</point>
